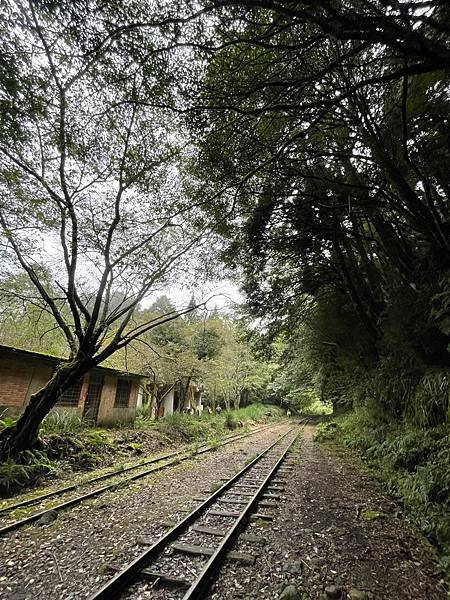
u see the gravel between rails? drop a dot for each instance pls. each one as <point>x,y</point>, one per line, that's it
<point>68,558</point>
<point>319,537</point>
<point>186,567</point>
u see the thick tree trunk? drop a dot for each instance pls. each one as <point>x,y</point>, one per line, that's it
<point>24,434</point>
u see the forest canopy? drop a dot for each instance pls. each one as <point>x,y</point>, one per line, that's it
<point>329,125</point>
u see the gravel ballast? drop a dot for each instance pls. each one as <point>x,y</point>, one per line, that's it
<point>334,535</point>
<point>69,557</point>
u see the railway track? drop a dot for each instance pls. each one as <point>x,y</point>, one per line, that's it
<point>193,541</point>
<point>157,463</point>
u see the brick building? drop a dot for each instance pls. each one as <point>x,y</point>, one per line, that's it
<point>103,396</point>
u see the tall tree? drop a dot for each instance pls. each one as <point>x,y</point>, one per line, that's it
<point>90,178</point>
<point>319,121</point>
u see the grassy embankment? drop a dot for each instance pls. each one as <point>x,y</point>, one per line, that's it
<point>69,447</point>
<point>413,464</point>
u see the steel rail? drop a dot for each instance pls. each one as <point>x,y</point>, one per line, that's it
<point>202,584</point>
<point>124,578</point>
<point>178,457</point>
<point>159,458</point>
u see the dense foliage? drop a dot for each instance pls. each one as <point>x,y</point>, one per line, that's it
<point>334,152</point>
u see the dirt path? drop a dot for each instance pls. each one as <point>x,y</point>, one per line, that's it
<point>329,541</point>
<point>68,559</point>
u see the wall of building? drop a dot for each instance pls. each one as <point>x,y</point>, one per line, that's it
<point>166,406</point>
<point>22,375</point>
<point>108,414</point>
<point>19,379</point>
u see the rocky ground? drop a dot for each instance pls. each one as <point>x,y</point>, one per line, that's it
<point>335,535</point>
<point>69,557</point>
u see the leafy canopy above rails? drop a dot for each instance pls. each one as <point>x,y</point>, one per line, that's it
<point>331,139</point>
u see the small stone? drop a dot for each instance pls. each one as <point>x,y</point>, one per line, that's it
<point>242,557</point>
<point>355,594</point>
<point>168,524</point>
<point>253,538</point>
<point>47,518</point>
<point>290,592</point>
<point>143,541</point>
<point>317,562</point>
<point>333,592</point>
<point>295,568</point>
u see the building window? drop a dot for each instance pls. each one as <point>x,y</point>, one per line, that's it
<point>122,393</point>
<point>71,396</point>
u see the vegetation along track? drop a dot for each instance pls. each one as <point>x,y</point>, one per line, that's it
<point>158,463</point>
<point>223,515</point>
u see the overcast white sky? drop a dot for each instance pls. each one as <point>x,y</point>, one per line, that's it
<point>223,294</point>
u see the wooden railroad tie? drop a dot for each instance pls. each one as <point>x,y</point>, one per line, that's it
<point>157,576</point>
<point>224,513</point>
<point>246,485</point>
<point>194,550</point>
<point>209,530</point>
<point>242,557</point>
<point>268,504</point>
<point>231,501</point>
<point>262,516</point>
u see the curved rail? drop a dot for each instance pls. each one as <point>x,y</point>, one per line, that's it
<point>171,459</point>
<point>131,573</point>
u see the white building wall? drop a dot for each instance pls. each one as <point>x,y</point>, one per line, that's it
<point>166,404</point>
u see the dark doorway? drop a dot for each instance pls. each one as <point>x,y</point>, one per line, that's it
<point>92,402</point>
<point>176,399</point>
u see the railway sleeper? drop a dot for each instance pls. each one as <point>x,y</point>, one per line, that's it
<point>223,513</point>
<point>241,557</point>
<point>158,577</point>
<point>261,516</point>
<point>268,504</point>
<point>209,530</point>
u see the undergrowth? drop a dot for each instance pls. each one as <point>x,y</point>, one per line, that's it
<point>413,463</point>
<point>192,428</point>
<point>68,446</point>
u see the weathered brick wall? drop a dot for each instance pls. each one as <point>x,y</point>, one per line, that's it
<point>21,376</point>
<point>107,414</point>
<point>19,379</point>
<point>41,375</point>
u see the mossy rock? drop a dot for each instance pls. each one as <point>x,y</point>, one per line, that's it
<point>371,515</point>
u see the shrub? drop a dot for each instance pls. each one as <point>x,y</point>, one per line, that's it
<point>6,421</point>
<point>230,420</point>
<point>180,426</point>
<point>61,422</point>
<point>29,466</point>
